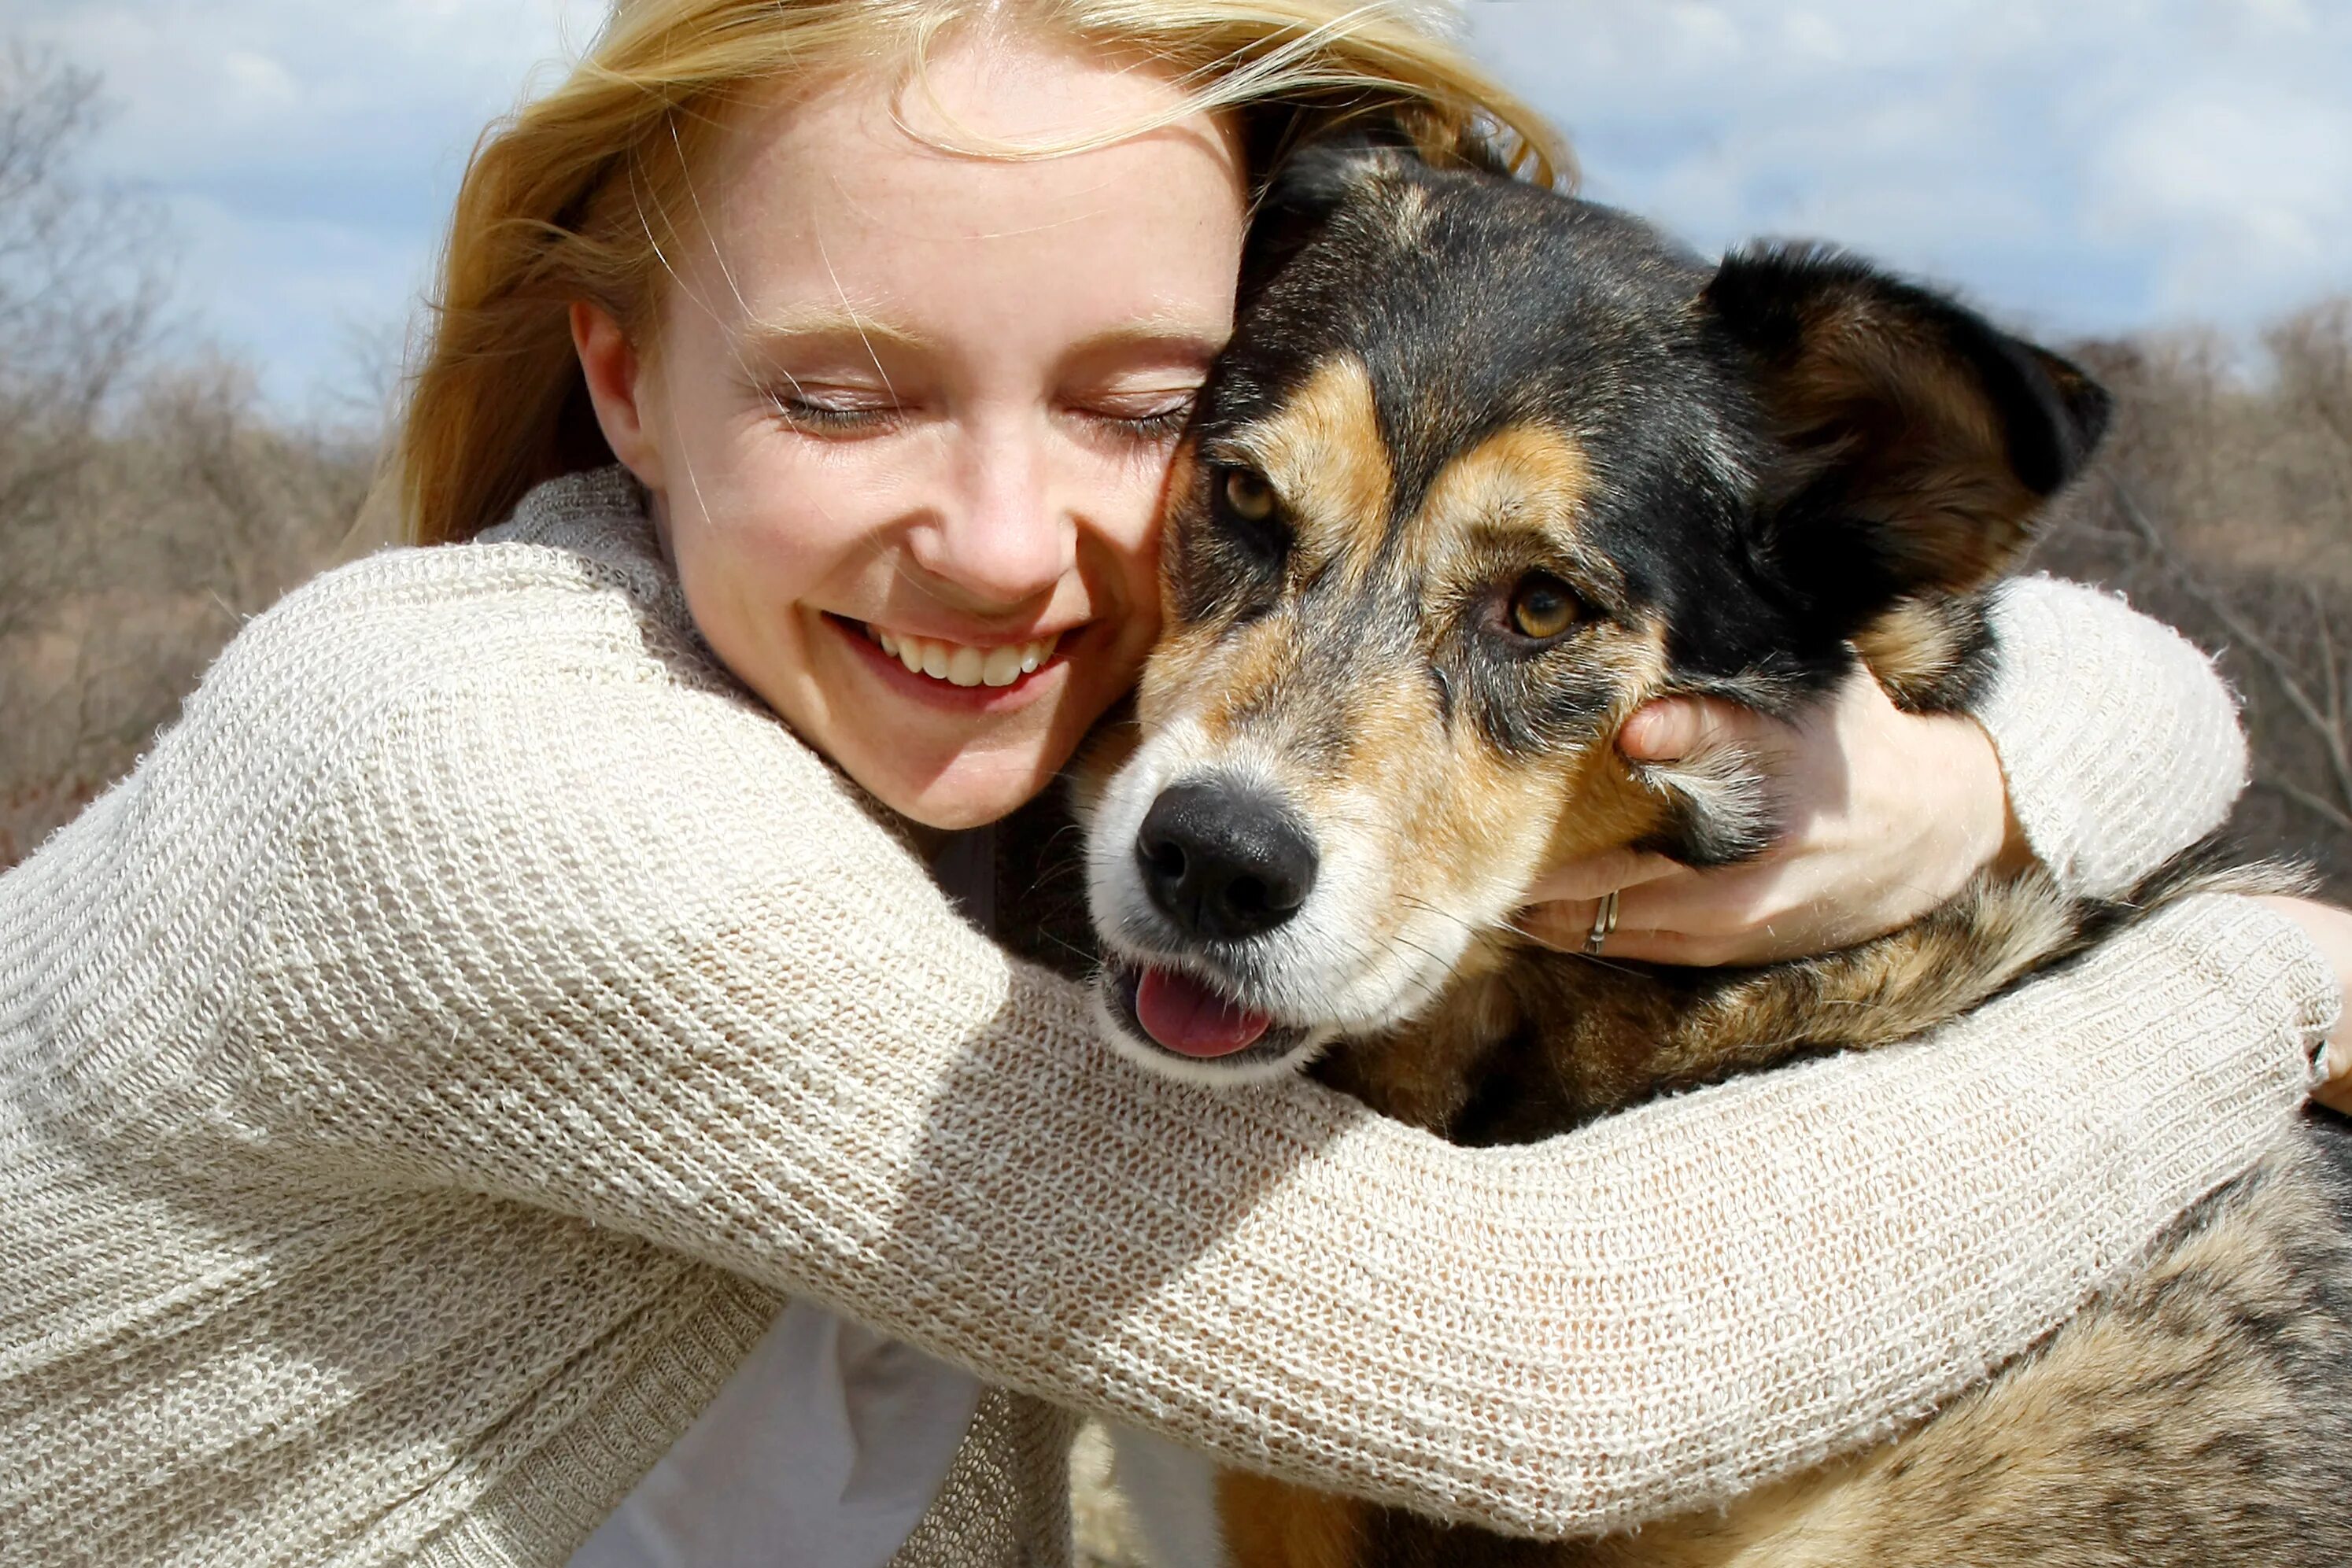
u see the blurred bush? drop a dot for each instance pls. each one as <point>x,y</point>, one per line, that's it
<point>148,503</point>
<point>2223,504</point>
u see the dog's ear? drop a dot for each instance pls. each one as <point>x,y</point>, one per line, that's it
<point>1310,185</point>
<point>1921,443</point>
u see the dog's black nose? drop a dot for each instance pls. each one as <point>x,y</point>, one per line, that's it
<point>1224,862</point>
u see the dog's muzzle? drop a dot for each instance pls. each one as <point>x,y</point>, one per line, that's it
<point>1222,861</point>
<point>1219,861</point>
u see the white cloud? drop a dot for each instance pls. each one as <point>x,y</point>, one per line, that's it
<point>2236,195</point>
<point>2096,166</point>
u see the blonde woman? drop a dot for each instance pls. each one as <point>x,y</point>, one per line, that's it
<point>502,1084</point>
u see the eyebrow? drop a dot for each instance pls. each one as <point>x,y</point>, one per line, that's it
<point>827,324</point>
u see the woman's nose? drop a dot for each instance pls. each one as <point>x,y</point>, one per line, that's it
<point>1001,535</point>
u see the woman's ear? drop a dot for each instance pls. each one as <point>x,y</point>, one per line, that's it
<point>619,388</point>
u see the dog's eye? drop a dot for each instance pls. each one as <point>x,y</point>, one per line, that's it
<point>1248,494</point>
<point>1542,607</point>
<point>1248,512</point>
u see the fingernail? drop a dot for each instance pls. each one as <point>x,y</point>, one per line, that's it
<point>1646,736</point>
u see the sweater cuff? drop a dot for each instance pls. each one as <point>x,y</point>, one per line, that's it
<point>2265,964</point>
<point>2119,742</point>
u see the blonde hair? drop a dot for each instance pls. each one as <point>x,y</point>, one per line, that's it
<point>566,200</point>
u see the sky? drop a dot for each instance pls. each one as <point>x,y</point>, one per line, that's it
<point>2077,166</point>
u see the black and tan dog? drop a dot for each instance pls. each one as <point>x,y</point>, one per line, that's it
<point>1484,469</point>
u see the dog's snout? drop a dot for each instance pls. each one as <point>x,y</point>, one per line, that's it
<point>1224,862</point>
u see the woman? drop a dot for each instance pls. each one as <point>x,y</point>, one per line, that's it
<point>431,1074</point>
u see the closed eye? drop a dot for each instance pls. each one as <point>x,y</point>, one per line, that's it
<point>1155,418</point>
<point>815,411</point>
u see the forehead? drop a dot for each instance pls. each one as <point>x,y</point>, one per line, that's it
<point>867,194</point>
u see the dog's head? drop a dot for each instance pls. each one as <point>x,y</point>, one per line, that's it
<point>1484,469</point>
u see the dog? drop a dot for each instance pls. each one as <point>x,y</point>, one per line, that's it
<point>1484,468</point>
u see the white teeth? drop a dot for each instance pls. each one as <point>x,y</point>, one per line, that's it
<point>960,665</point>
<point>1001,668</point>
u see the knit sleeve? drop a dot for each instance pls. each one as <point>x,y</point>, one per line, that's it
<point>2119,741</point>
<point>573,935</point>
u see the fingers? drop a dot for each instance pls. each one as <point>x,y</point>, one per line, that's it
<point>2335,1094</point>
<point>1564,925</point>
<point>2330,930</point>
<point>1598,876</point>
<point>1671,728</point>
<point>1747,914</point>
<point>1681,916</point>
<point>1689,949</point>
<point>1725,904</point>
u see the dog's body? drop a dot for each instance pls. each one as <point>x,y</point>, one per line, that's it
<point>1484,469</point>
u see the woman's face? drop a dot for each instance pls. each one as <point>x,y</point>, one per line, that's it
<point>909,413</point>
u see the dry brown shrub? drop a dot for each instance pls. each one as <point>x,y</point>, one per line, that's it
<point>2223,504</point>
<point>147,504</point>
<point>189,510</point>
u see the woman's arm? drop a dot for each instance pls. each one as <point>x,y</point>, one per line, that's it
<point>2119,741</point>
<point>567,932</point>
<point>2105,746</point>
<point>2330,930</point>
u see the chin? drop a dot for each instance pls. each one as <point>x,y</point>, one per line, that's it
<point>965,791</point>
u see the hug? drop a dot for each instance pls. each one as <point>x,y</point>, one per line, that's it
<point>546,1062</point>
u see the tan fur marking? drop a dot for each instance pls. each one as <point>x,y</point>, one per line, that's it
<point>1325,457</point>
<point>1272,1525</point>
<point>1531,476</point>
<point>1911,646</point>
<point>1410,217</point>
<point>1464,817</point>
<point>1251,670</point>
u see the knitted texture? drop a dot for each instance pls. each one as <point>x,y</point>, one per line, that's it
<point>2120,744</point>
<point>420,1079</point>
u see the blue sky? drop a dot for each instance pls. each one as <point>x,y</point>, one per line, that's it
<point>2077,165</point>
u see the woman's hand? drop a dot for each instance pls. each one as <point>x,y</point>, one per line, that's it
<point>1885,815</point>
<point>2330,930</point>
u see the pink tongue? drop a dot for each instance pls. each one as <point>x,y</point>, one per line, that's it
<point>1192,1019</point>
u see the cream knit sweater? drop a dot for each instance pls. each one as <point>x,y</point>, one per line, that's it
<point>420,1078</point>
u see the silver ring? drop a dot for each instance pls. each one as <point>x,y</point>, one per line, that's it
<point>1605,921</point>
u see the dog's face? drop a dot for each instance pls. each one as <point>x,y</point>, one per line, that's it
<point>1484,470</point>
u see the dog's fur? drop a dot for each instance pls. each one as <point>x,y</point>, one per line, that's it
<point>1459,391</point>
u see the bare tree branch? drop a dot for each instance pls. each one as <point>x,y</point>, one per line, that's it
<point>2317,805</point>
<point>2326,724</point>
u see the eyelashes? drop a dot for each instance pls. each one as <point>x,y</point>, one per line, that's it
<point>1164,425</point>
<point>827,419</point>
<point>796,409</point>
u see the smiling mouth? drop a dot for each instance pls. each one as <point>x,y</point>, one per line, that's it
<point>960,664</point>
